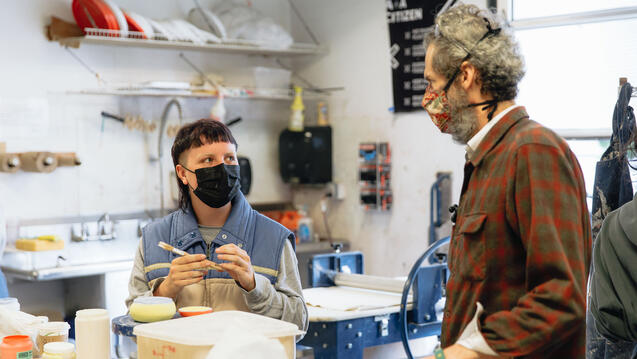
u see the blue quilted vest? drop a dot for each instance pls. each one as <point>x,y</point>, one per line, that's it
<point>261,237</point>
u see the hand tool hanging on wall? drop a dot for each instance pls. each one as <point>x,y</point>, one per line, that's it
<point>132,122</point>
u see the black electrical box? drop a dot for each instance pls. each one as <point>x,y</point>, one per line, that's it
<point>305,157</point>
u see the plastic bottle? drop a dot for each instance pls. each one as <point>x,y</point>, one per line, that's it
<point>59,350</point>
<point>322,114</point>
<point>305,231</point>
<point>92,334</point>
<point>296,118</point>
<point>218,111</point>
<point>16,347</point>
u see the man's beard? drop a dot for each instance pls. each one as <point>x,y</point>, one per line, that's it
<point>464,122</point>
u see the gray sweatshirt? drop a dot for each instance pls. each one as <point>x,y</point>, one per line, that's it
<point>283,300</point>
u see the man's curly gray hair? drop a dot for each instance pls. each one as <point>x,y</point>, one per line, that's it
<point>497,58</point>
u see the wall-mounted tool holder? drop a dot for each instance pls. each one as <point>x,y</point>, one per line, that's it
<point>42,162</point>
<point>375,175</point>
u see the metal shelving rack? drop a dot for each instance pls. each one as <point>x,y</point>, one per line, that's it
<point>135,39</point>
<point>278,95</point>
<point>158,41</point>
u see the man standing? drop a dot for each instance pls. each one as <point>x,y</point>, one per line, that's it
<point>520,248</point>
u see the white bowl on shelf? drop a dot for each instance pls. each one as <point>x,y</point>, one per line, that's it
<point>119,15</point>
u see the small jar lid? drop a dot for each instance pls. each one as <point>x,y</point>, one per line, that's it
<point>59,348</point>
<point>16,339</point>
<point>152,300</point>
<point>91,313</point>
<point>53,327</point>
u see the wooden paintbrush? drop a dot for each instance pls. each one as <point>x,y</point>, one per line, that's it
<point>179,252</point>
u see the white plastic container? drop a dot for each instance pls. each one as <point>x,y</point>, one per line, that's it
<point>152,309</point>
<point>92,334</point>
<point>59,350</point>
<point>51,332</point>
<point>193,337</point>
<point>10,303</point>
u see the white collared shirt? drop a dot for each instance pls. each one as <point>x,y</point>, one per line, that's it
<point>473,143</point>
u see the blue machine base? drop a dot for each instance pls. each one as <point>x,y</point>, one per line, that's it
<point>348,338</point>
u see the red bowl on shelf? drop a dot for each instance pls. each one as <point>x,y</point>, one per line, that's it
<point>93,14</point>
<point>195,310</point>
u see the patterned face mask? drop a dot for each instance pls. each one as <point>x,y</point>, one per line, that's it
<point>437,106</point>
<point>436,103</point>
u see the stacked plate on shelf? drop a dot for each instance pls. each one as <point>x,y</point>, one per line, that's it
<point>107,15</point>
<point>227,23</point>
<point>112,21</point>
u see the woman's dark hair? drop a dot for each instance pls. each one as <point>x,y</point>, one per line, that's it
<point>197,134</point>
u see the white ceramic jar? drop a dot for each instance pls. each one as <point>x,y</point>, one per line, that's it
<point>59,350</point>
<point>92,334</point>
<point>51,332</point>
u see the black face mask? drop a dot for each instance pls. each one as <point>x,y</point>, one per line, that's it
<point>218,185</point>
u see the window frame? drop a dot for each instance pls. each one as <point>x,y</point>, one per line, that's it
<point>585,17</point>
<point>505,7</point>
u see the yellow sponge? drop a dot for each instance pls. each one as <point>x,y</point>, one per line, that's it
<point>42,243</point>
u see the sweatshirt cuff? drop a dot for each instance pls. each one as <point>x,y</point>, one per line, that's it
<point>156,285</point>
<point>261,286</point>
<point>472,338</point>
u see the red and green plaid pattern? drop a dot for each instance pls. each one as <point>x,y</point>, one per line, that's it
<point>521,244</point>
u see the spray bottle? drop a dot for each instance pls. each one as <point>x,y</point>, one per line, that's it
<point>296,118</point>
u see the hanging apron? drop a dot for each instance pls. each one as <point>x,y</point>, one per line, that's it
<point>612,189</point>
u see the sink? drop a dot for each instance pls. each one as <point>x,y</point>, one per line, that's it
<point>76,257</point>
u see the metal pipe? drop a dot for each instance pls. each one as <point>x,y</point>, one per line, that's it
<point>305,25</point>
<point>160,150</point>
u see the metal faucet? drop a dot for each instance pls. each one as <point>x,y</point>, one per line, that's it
<point>105,231</point>
<point>160,149</point>
<point>105,225</point>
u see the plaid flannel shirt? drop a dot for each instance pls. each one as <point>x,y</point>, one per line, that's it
<point>521,244</point>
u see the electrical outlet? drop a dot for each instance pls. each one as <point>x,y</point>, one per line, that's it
<point>336,191</point>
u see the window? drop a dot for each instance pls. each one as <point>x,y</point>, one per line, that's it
<point>525,9</point>
<point>573,66</point>
<point>572,72</point>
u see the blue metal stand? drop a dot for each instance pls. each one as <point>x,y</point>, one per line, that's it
<point>348,338</point>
